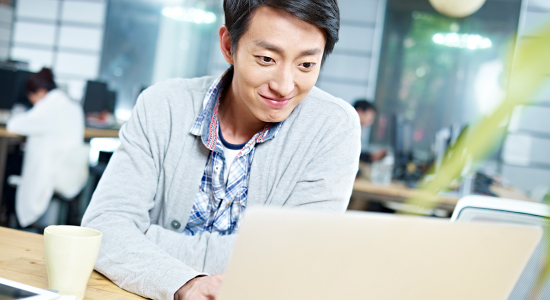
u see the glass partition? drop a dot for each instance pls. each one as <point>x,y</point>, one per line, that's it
<point>436,71</point>
<point>148,41</point>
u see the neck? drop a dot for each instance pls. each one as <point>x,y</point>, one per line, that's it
<point>238,124</point>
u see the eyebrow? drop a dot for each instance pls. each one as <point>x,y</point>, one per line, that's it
<point>276,49</point>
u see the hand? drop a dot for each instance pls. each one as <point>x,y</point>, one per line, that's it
<point>378,155</point>
<point>200,288</point>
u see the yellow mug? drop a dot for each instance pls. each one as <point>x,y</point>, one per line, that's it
<point>71,253</point>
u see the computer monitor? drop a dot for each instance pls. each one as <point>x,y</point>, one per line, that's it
<point>13,88</point>
<point>7,82</point>
<point>14,65</point>
<point>111,101</point>
<point>20,88</point>
<point>96,97</point>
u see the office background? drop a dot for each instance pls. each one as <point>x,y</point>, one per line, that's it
<point>132,44</point>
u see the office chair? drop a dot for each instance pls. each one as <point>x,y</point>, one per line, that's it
<point>498,210</point>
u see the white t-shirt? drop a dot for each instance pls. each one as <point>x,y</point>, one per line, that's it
<point>230,156</point>
<point>230,152</point>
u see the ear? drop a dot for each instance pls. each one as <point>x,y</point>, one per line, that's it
<point>225,44</point>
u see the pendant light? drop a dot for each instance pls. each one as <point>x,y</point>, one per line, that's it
<point>457,8</point>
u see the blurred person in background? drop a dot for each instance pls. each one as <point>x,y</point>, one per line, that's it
<point>54,128</point>
<point>367,114</point>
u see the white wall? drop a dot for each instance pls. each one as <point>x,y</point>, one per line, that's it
<point>65,35</point>
<point>6,15</point>
<point>350,71</point>
<point>526,152</point>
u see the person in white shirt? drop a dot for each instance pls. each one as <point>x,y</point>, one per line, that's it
<point>54,150</point>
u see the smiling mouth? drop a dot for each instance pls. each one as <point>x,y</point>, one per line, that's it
<point>276,103</point>
<point>276,100</point>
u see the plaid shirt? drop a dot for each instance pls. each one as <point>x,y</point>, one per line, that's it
<point>219,206</point>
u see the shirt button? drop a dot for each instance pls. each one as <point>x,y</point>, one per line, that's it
<point>176,224</point>
<point>217,169</point>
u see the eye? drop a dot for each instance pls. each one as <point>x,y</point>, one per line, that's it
<point>265,59</point>
<point>308,65</point>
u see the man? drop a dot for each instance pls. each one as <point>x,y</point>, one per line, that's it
<point>197,152</point>
<point>367,114</point>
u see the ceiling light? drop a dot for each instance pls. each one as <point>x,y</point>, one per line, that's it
<point>458,40</point>
<point>192,15</point>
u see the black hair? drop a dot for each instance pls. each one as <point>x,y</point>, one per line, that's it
<point>41,80</point>
<point>324,14</point>
<point>364,105</point>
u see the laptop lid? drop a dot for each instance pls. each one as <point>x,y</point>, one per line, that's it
<point>296,255</point>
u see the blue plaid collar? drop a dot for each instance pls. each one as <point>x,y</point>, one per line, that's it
<point>206,124</point>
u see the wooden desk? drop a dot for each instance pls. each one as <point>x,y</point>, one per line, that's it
<point>5,134</point>
<point>5,138</point>
<point>22,260</point>
<point>394,192</point>
<point>398,192</point>
<point>88,133</point>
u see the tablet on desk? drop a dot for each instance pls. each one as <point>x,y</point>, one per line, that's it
<point>11,290</point>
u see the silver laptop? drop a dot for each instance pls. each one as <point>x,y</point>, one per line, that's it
<point>293,255</point>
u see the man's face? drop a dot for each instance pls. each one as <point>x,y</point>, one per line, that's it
<point>366,117</point>
<point>276,64</point>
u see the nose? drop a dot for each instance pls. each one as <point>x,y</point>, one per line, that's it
<point>282,82</point>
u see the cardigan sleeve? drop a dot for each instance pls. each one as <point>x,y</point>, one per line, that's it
<point>120,210</point>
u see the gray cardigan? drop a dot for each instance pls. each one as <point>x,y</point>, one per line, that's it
<point>151,181</point>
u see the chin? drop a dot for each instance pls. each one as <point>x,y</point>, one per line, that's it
<point>276,117</point>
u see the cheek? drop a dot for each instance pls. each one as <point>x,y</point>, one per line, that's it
<point>306,81</point>
<point>252,77</point>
